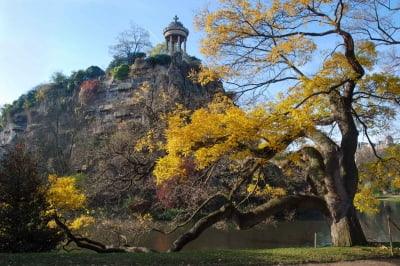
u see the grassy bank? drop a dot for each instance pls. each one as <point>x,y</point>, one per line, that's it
<point>203,257</point>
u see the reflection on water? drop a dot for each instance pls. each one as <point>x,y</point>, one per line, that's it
<point>281,234</point>
<point>375,226</point>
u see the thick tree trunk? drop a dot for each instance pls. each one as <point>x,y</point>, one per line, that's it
<point>341,179</point>
<point>347,231</point>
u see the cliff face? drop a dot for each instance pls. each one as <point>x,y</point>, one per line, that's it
<point>59,127</point>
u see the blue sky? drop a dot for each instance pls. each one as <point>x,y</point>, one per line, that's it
<point>40,37</point>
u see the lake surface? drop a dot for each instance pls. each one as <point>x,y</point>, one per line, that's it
<point>297,233</point>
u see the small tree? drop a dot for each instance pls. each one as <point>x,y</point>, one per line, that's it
<point>130,43</point>
<point>23,206</point>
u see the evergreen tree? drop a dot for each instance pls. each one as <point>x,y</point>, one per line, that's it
<point>23,205</point>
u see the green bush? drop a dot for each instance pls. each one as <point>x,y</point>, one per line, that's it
<point>159,59</point>
<point>25,101</point>
<point>120,72</point>
<point>30,99</point>
<point>94,72</point>
<point>129,60</point>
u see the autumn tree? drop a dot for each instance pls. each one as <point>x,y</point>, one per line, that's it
<point>24,207</point>
<point>324,58</point>
<point>88,91</point>
<point>379,174</point>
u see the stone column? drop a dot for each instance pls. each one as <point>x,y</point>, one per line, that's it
<point>184,45</point>
<point>179,43</point>
<point>171,45</point>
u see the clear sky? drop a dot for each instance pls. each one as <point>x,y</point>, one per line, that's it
<point>40,37</point>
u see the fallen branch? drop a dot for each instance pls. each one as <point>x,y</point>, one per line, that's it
<point>87,243</point>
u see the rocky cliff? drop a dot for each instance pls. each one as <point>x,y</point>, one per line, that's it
<point>90,128</point>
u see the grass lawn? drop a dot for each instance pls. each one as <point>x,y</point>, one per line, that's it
<point>391,198</point>
<point>202,257</point>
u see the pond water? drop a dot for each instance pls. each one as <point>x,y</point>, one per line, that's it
<point>298,233</point>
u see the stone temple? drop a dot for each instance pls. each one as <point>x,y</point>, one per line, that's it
<point>175,34</point>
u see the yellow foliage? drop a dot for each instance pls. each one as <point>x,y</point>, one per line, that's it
<point>64,197</point>
<point>378,175</point>
<point>266,191</point>
<point>144,220</point>
<point>223,129</point>
<point>52,224</point>
<point>367,54</point>
<point>365,201</point>
<point>81,222</point>
<point>396,182</point>
<point>204,76</point>
<point>63,194</point>
<point>147,142</point>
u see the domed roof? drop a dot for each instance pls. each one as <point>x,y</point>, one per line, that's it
<point>175,26</point>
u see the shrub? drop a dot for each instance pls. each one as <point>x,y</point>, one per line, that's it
<point>120,72</point>
<point>88,90</point>
<point>159,59</point>
<point>93,72</point>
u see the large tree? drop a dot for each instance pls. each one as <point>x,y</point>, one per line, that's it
<point>325,59</point>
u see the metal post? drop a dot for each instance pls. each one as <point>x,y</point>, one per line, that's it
<point>315,239</point>
<point>390,235</point>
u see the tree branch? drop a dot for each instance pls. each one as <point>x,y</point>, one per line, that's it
<point>98,247</point>
<point>247,220</point>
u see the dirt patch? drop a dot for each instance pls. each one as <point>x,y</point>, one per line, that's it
<point>377,262</point>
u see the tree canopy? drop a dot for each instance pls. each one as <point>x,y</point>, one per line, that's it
<point>327,61</point>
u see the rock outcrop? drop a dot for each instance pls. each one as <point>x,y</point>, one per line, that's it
<point>55,125</point>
